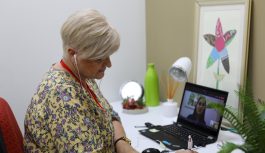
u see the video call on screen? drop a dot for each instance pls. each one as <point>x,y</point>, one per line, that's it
<point>190,98</point>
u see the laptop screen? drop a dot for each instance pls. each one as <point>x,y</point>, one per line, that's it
<point>194,111</point>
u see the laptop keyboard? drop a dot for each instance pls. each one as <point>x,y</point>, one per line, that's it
<point>183,134</point>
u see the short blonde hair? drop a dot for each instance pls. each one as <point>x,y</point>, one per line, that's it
<point>89,33</point>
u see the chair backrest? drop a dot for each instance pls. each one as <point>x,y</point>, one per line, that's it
<point>11,134</point>
<point>2,145</point>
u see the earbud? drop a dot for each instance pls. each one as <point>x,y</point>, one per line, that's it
<point>75,57</point>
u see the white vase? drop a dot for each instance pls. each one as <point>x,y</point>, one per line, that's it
<point>170,108</point>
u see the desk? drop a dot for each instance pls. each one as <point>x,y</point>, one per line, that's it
<point>154,115</point>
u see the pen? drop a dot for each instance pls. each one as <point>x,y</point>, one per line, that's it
<point>147,125</point>
<point>136,126</point>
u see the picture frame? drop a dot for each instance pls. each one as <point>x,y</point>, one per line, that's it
<point>221,45</point>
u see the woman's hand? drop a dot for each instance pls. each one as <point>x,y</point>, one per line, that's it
<point>121,146</point>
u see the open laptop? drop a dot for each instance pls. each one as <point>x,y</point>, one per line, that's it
<point>203,130</point>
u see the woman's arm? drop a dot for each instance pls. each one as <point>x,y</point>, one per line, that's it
<point>121,146</point>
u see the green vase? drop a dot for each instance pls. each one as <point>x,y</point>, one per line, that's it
<point>151,85</point>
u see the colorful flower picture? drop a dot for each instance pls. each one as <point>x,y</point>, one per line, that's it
<point>219,52</point>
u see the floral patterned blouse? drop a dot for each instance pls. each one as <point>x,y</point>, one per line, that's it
<point>63,117</point>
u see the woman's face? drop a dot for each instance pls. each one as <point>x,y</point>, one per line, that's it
<point>93,69</point>
<point>201,106</point>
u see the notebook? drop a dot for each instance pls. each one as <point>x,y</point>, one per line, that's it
<point>194,118</point>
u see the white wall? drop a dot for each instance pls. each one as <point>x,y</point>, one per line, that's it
<point>30,42</point>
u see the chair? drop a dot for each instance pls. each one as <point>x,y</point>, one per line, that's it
<point>10,132</point>
<point>2,145</point>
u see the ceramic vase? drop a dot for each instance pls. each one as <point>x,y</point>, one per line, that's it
<point>170,108</point>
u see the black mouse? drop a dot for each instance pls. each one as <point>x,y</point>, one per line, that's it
<point>151,150</point>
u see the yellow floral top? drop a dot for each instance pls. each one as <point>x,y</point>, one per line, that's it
<point>63,117</point>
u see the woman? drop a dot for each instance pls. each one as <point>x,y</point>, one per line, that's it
<point>199,111</point>
<point>68,112</point>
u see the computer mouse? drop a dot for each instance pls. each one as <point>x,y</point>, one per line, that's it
<point>151,150</point>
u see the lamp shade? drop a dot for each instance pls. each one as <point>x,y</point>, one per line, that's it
<point>180,70</point>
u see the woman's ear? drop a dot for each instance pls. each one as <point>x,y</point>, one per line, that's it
<point>71,52</point>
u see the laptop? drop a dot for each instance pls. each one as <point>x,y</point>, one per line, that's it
<point>194,119</point>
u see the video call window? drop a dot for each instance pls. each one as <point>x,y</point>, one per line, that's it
<point>194,109</point>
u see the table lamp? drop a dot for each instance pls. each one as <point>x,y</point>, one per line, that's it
<point>179,71</point>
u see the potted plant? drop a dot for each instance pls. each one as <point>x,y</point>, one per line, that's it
<point>250,124</point>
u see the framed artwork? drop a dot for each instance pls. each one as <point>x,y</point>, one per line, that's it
<point>221,45</point>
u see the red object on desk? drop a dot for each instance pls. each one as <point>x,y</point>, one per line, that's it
<point>130,103</point>
<point>11,134</point>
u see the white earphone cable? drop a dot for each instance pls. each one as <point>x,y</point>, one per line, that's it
<point>80,80</point>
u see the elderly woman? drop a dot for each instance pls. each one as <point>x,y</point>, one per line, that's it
<point>68,113</point>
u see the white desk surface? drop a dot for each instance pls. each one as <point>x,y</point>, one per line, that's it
<point>155,116</point>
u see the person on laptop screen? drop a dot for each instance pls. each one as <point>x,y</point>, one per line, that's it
<point>199,111</point>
